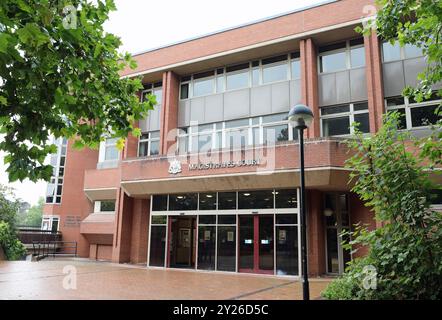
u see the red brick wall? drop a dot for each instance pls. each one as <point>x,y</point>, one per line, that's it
<point>75,206</point>
<point>292,24</point>
<point>140,220</point>
<point>315,233</point>
<point>360,213</point>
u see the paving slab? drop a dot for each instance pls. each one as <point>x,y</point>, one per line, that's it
<point>69,279</point>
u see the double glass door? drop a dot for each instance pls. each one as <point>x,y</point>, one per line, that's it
<point>256,243</point>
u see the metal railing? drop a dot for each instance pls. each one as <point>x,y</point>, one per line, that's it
<point>30,235</point>
<point>54,248</point>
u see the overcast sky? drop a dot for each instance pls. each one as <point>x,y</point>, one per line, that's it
<point>144,25</point>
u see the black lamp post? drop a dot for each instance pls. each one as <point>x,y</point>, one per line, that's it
<point>301,117</point>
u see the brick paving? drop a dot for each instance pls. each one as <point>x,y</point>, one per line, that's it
<point>102,280</point>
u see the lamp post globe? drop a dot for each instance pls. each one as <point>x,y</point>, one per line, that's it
<point>300,116</point>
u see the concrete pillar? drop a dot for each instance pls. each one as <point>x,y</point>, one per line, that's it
<point>375,88</point>
<point>309,83</point>
<point>169,112</point>
<point>123,228</point>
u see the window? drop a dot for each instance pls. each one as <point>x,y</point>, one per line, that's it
<point>235,134</point>
<point>149,144</point>
<point>203,84</point>
<point>105,206</point>
<point>342,56</point>
<point>414,115</point>
<point>110,149</point>
<point>244,75</point>
<point>255,199</point>
<point>295,66</point>
<point>237,77</point>
<point>337,120</point>
<point>394,52</point>
<point>274,69</point>
<point>183,202</point>
<point>54,188</point>
<point>50,223</point>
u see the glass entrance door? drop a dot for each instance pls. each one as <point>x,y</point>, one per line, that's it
<point>256,244</point>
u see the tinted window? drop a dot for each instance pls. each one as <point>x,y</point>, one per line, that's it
<point>184,91</point>
<point>286,219</point>
<point>208,219</point>
<point>206,247</point>
<point>159,203</point>
<point>226,219</point>
<point>296,69</point>
<point>238,80</point>
<point>423,116</point>
<point>157,246</point>
<point>226,200</point>
<point>364,122</point>
<point>336,126</point>
<point>333,62</point>
<point>276,133</point>
<point>412,51</point>
<point>202,87</point>
<point>357,57</point>
<point>391,52</point>
<point>286,198</point>
<point>255,199</point>
<point>226,248</point>
<point>183,202</point>
<point>207,201</point>
<point>272,73</point>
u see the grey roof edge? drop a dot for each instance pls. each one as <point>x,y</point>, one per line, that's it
<point>325,2</point>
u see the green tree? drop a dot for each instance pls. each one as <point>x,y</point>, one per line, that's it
<point>59,75</point>
<point>406,252</point>
<point>419,23</point>
<point>33,217</point>
<point>12,247</point>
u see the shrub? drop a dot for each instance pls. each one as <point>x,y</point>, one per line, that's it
<point>406,252</point>
<point>13,248</point>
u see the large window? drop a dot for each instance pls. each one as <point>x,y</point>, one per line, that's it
<point>149,144</point>
<point>393,52</point>
<point>337,120</point>
<point>231,200</point>
<point>158,241</point>
<point>58,161</point>
<point>244,75</point>
<point>341,56</point>
<point>413,114</point>
<point>235,134</point>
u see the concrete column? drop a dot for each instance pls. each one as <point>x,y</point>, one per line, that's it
<point>375,88</point>
<point>315,233</point>
<point>123,228</point>
<point>309,83</point>
<point>169,112</point>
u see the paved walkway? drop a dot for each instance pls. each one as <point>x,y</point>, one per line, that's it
<point>101,280</point>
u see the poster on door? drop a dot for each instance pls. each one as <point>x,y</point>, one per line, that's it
<point>282,236</point>
<point>207,235</point>
<point>230,236</point>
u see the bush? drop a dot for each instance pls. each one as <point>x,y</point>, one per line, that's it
<point>406,252</point>
<point>13,248</point>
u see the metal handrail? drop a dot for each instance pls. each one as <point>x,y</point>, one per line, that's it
<point>54,248</point>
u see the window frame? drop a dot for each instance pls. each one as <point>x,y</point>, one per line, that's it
<point>57,177</point>
<point>220,127</point>
<point>149,141</point>
<point>347,51</point>
<point>407,106</point>
<point>402,55</point>
<point>350,114</point>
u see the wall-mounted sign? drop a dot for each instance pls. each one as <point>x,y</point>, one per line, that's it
<point>174,167</point>
<point>72,221</point>
<point>224,164</point>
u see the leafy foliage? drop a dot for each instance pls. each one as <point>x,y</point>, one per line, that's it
<point>59,75</point>
<point>12,247</point>
<point>407,250</point>
<point>34,215</point>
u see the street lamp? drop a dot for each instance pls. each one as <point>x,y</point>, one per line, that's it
<point>300,116</point>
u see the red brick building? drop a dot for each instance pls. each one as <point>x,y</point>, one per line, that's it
<point>212,182</point>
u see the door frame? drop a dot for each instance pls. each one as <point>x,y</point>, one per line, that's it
<point>256,244</point>
<point>338,228</point>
